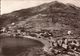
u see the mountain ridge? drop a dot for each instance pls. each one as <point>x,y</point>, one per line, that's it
<point>52,16</point>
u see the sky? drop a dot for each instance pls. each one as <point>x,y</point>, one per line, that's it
<point>8,6</point>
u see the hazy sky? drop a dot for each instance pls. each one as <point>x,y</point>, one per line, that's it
<point>8,6</point>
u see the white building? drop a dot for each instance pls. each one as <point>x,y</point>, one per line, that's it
<point>69,32</point>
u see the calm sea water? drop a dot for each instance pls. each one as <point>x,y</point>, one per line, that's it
<point>12,47</point>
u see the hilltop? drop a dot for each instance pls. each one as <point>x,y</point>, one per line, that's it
<point>53,16</point>
<point>49,23</point>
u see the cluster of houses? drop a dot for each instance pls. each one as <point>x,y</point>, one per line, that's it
<point>62,45</point>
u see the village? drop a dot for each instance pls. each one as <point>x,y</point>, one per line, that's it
<point>53,46</point>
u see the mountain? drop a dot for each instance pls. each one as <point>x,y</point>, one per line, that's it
<point>51,16</point>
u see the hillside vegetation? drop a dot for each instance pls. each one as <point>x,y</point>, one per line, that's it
<point>49,20</point>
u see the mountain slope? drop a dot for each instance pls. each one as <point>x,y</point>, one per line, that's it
<point>51,16</point>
